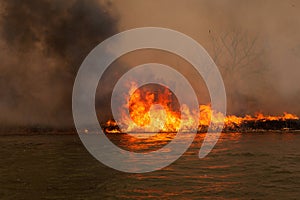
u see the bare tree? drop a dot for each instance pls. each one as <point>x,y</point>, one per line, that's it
<point>235,51</point>
<point>240,60</point>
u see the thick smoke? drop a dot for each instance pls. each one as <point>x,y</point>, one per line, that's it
<point>43,43</point>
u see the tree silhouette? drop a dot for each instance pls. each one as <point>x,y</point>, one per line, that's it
<point>239,57</point>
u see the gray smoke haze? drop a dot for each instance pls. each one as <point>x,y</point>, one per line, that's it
<point>43,43</point>
<point>269,82</point>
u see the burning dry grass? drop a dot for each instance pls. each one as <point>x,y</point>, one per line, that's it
<point>158,111</point>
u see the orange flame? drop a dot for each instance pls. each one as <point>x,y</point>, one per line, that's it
<point>157,111</point>
<point>150,112</point>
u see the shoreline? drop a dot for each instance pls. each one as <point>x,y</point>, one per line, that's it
<point>74,132</point>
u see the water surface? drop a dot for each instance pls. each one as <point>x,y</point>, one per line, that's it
<point>241,166</point>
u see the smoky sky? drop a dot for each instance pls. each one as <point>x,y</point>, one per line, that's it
<point>43,43</point>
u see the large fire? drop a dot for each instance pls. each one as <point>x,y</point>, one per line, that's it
<point>159,111</point>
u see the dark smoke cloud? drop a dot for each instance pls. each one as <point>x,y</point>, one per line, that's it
<point>43,43</point>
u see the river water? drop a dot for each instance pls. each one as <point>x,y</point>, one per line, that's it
<point>241,166</point>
